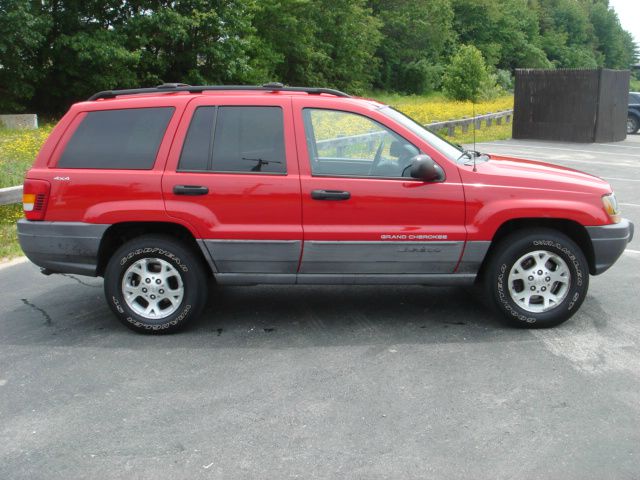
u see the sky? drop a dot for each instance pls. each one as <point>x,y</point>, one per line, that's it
<point>629,13</point>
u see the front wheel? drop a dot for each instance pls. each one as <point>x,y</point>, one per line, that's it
<point>155,284</point>
<point>538,278</point>
<point>633,124</point>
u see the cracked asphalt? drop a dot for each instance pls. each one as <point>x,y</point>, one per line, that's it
<point>328,382</point>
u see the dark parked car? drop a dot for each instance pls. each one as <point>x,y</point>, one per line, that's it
<point>633,117</point>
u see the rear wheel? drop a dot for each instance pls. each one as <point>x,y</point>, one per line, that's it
<point>155,284</point>
<point>537,278</point>
<point>633,124</point>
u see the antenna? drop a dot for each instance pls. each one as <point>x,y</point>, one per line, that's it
<point>475,154</point>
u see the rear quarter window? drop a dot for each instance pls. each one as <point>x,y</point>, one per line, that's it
<point>117,139</point>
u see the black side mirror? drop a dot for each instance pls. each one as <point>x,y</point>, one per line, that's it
<point>424,168</point>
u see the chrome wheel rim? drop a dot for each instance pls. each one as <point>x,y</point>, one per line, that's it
<point>539,281</point>
<point>152,288</point>
<point>631,125</point>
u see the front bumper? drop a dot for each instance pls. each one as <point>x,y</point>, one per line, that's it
<point>609,241</point>
<point>62,247</point>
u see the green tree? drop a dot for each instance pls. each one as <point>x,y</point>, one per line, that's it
<point>191,41</point>
<point>567,35</point>
<point>506,32</point>
<point>417,35</point>
<point>81,53</point>
<point>22,37</point>
<point>611,40</point>
<point>466,77</point>
<point>316,42</point>
<point>55,52</point>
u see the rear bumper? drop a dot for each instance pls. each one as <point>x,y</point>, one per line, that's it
<point>62,247</point>
<point>609,241</point>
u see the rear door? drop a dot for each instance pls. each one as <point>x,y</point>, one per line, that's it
<point>232,174</point>
<point>362,212</point>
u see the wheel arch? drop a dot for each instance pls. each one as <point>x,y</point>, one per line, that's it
<point>574,230</point>
<point>120,233</point>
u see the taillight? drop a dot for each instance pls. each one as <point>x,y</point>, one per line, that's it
<point>35,195</point>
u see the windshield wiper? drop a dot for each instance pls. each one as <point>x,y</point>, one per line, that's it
<point>469,153</point>
<point>473,156</point>
<point>261,162</point>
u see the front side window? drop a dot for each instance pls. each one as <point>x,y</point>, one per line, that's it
<point>347,144</point>
<point>236,140</point>
<point>117,139</point>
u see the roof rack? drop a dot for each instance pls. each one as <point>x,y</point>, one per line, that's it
<point>182,87</point>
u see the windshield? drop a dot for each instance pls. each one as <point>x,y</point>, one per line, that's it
<point>449,150</point>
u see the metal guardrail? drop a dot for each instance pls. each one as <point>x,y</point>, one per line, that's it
<point>464,123</point>
<point>450,125</point>
<point>10,195</point>
<point>14,194</point>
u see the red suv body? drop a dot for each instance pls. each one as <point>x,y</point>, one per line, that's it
<point>169,187</point>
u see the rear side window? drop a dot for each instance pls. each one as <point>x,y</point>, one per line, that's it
<point>198,144</point>
<point>235,139</point>
<point>117,139</point>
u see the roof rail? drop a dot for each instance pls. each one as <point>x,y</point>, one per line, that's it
<point>182,87</point>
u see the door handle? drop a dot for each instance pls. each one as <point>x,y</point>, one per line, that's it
<point>190,190</point>
<point>330,195</point>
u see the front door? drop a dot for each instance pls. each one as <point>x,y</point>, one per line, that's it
<point>362,212</point>
<point>233,176</point>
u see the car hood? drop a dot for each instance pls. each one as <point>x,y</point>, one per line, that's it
<point>504,170</point>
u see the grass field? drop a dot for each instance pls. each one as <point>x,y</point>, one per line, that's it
<point>435,107</point>
<point>18,148</point>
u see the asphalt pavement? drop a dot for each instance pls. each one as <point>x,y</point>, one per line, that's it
<point>280,382</point>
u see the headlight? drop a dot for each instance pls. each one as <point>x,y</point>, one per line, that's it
<point>611,207</point>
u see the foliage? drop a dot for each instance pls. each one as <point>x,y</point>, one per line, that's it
<point>506,32</point>
<point>417,35</point>
<point>55,52</point>
<point>613,43</point>
<point>22,35</point>
<point>467,76</point>
<point>505,80</point>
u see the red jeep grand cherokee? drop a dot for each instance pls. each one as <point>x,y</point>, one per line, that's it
<point>160,189</point>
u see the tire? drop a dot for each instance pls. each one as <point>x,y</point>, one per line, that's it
<point>633,124</point>
<point>540,297</point>
<point>165,281</point>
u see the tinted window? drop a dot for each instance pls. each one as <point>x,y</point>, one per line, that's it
<point>343,143</point>
<point>196,151</point>
<point>123,139</point>
<point>249,139</point>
